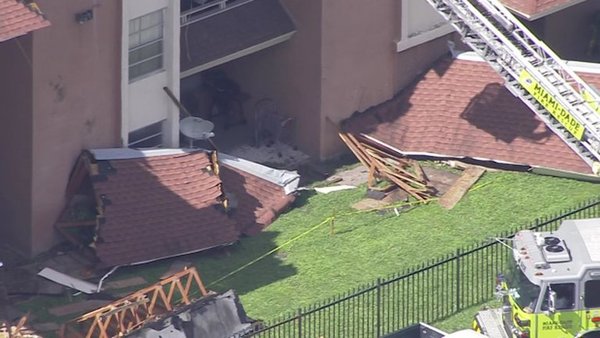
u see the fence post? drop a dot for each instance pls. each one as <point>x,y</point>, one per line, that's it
<point>378,323</point>
<point>458,255</point>
<point>299,323</point>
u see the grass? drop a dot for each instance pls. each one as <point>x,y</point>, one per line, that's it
<point>464,319</point>
<point>365,246</point>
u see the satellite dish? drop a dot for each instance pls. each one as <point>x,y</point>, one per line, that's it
<point>196,128</point>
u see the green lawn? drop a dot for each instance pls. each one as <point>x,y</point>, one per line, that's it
<point>365,246</point>
<point>369,245</point>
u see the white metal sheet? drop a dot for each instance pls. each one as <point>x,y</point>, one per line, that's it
<point>68,281</point>
<point>590,233</point>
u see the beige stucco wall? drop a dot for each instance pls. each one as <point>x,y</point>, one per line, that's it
<point>358,53</point>
<point>15,153</point>
<point>289,73</point>
<point>342,59</point>
<point>76,101</point>
<point>361,67</point>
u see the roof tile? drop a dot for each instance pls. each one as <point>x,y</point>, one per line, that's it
<point>161,206</point>
<point>255,197</point>
<point>461,109</point>
<point>17,18</point>
<point>533,7</point>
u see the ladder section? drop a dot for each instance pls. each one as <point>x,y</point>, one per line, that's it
<point>531,71</point>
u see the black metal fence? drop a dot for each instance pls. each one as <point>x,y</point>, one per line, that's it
<point>429,292</point>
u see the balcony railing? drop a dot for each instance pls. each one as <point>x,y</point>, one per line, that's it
<point>207,8</point>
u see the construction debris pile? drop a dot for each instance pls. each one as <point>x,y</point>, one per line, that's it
<point>405,173</point>
<point>19,330</point>
<point>178,306</point>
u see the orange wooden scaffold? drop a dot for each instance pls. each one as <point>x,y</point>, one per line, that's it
<point>132,312</point>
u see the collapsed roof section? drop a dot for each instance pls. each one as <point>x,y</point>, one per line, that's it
<point>461,109</point>
<point>535,9</point>
<point>19,18</point>
<point>153,204</point>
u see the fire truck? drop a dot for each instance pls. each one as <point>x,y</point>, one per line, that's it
<point>552,289</point>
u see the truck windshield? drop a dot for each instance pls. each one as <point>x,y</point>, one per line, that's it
<point>527,293</point>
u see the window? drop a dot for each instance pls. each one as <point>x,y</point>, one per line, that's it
<point>145,45</point>
<point>147,137</point>
<point>565,296</point>
<point>420,23</point>
<point>592,294</point>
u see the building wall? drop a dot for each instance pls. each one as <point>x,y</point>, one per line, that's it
<point>570,41</point>
<point>144,101</point>
<point>366,57</point>
<point>16,138</point>
<point>358,54</point>
<point>76,100</point>
<point>289,73</point>
<point>409,64</point>
<point>342,59</point>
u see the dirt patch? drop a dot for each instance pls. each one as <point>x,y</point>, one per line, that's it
<point>440,179</point>
<point>354,176</point>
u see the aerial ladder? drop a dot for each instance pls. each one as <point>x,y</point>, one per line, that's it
<point>531,71</point>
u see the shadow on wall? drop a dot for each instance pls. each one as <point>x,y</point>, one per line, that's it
<point>391,111</point>
<point>497,112</point>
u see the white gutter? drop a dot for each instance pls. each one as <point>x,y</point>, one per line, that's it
<point>288,180</point>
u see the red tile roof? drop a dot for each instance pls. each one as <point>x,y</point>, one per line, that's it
<point>160,206</point>
<point>534,7</point>
<point>461,109</point>
<point>258,201</point>
<point>17,18</point>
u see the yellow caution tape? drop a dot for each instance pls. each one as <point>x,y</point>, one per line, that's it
<point>313,228</point>
<point>272,251</point>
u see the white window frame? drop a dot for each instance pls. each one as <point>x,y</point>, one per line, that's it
<point>159,39</point>
<point>409,39</point>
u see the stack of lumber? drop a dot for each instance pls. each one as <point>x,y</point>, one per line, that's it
<point>405,173</point>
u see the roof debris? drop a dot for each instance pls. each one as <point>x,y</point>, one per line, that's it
<point>460,109</point>
<point>19,18</point>
<point>401,171</point>
<point>132,206</point>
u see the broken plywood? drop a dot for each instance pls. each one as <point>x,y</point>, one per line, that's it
<point>382,164</point>
<point>460,187</point>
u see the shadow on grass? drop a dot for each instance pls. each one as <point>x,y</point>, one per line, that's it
<point>301,199</point>
<point>244,266</point>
